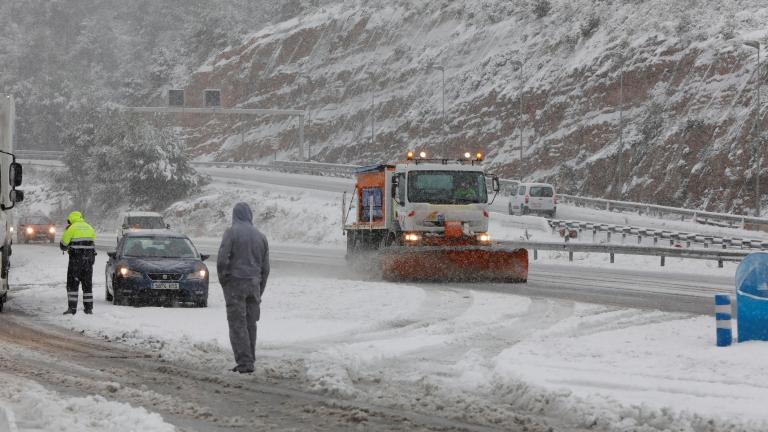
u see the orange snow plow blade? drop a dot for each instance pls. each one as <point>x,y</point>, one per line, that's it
<point>456,263</point>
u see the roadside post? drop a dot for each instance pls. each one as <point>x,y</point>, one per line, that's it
<point>752,297</point>
<point>723,319</point>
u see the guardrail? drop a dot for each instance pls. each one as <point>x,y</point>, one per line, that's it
<point>656,234</point>
<point>662,252</point>
<point>310,168</point>
<point>705,217</point>
<point>39,154</point>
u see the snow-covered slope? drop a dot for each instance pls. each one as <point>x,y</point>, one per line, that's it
<point>688,103</point>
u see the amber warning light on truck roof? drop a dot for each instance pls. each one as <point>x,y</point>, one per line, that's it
<point>409,155</point>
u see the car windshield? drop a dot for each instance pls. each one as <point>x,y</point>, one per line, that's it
<point>447,187</point>
<point>541,191</point>
<point>36,220</point>
<point>159,247</point>
<point>145,222</point>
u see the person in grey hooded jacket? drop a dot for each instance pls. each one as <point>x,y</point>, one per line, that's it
<point>243,268</point>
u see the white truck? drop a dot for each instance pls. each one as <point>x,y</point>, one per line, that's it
<point>427,219</point>
<point>10,179</point>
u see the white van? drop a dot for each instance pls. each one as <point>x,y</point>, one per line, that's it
<point>140,221</point>
<point>537,198</point>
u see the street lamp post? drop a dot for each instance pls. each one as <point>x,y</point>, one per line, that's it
<point>756,45</point>
<point>441,68</point>
<point>372,77</point>
<point>306,109</point>
<point>519,66</point>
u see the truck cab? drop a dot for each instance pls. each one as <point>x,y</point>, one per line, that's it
<point>429,196</point>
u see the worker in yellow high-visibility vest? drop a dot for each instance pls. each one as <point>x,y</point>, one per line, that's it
<point>79,240</point>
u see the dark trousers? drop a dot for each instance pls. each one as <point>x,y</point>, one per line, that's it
<point>80,271</point>
<point>243,297</point>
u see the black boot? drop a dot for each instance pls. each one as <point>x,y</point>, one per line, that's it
<point>70,312</point>
<point>88,311</point>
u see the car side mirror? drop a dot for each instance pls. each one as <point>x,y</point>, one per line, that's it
<point>16,196</point>
<point>495,184</point>
<point>125,226</point>
<point>15,175</point>
<point>167,226</point>
<point>204,257</point>
<point>112,255</point>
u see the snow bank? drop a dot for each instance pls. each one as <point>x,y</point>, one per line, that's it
<point>285,215</point>
<point>27,406</point>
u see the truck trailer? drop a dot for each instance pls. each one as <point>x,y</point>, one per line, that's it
<point>10,178</point>
<point>427,220</point>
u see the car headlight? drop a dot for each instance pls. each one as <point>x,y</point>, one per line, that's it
<point>128,273</point>
<point>199,274</point>
<point>12,230</point>
<point>52,230</point>
<point>30,230</point>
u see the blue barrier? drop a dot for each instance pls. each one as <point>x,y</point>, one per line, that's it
<point>752,297</point>
<point>723,318</point>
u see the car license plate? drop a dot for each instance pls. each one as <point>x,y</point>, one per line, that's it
<point>165,285</point>
<point>535,205</point>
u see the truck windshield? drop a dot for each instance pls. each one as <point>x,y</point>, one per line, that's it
<point>447,187</point>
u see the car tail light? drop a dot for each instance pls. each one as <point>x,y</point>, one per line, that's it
<point>526,199</point>
<point>485,213</point>
<point>412,213</point>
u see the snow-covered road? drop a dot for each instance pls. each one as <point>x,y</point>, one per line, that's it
<point>478,355</point>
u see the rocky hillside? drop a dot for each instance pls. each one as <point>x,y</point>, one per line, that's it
<point>688,91</point>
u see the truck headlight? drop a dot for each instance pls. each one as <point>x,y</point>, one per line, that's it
<point>30,230</point>
<point>52,230</point>
<point>412,237</point>
<point>483,238</point>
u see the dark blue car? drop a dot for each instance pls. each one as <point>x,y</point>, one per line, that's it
<point>156,268</point>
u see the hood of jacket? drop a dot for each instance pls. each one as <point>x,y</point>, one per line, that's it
<point>75,216</point>
<point>242,214</point>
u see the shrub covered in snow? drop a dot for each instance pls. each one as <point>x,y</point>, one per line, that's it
<point>113,159</point>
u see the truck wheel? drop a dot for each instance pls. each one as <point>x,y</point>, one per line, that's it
<point>3,299</point>
<point>526,210</point>
<point>5,265</point>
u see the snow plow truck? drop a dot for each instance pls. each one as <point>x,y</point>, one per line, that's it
<point>427,220</point>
